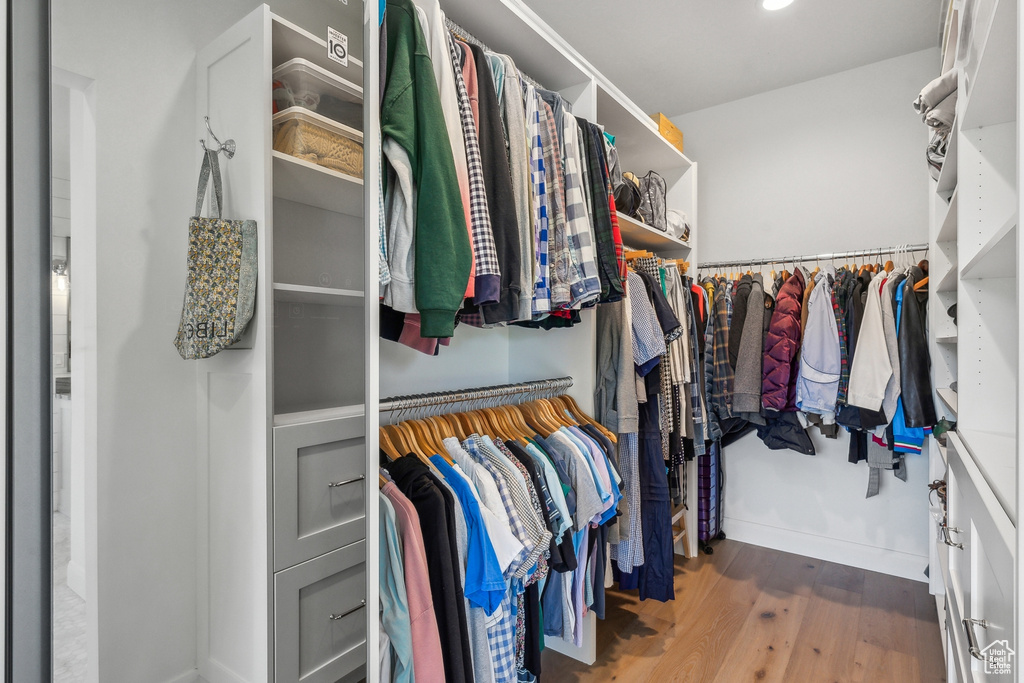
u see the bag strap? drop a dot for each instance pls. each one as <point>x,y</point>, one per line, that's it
<point>211,166</point>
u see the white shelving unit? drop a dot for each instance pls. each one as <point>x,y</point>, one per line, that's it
<point>977,253</point>
<point>637,234</point>
<point>281,551</point>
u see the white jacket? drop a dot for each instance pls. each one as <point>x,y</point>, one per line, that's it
<point>817,384</point>
<point>870,370</point>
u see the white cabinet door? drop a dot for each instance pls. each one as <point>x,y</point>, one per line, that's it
<point>984,574</point>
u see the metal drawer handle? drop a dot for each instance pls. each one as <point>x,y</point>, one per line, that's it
<point>972,640</point>
<point>946,538</point>
<point>336,484</point>
<point>336,617</point>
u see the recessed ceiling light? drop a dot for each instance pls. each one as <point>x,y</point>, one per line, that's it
<point>775,4</point>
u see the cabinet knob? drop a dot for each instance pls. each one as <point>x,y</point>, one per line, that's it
<point>972,640</point>
<point>336,617</point>
<point>946,530</point>
<point>336,484</point>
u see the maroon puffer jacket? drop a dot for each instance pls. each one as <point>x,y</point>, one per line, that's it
<point>781,344</point>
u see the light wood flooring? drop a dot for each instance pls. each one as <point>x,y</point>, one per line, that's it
<point>747,613</point>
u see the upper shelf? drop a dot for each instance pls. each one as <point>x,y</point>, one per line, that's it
<point>997,257</point>
<point>636,234</point>
<point>304,294</point>
<point>640,146</point>
<point>307,183</point>
<point>290,41</point>
<point>992,96</point>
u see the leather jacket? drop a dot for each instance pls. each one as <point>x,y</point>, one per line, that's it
<point>915,363</point>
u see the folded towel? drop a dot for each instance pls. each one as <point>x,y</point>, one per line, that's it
<point>941,116</point>
<point>935,92</point>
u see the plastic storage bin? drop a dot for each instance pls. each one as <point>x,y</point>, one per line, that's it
<point>319,140</point>
<point>300,83</point>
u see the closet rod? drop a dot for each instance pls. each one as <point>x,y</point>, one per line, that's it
<point>543,388</point>
<point>909,248</point>
<point>468,37</point>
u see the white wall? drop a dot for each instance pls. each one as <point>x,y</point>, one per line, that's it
<point>833,164</point>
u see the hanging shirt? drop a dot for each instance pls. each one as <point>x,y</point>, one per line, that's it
<point>394,617</point>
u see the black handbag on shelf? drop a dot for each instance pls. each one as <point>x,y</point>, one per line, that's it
<point>627,196</point>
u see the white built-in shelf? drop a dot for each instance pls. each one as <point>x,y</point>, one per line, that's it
<point>640,146</point>
<point>997,257</point>
<point>636,234</point>
<point>947,232</point>
<point>995,454</point>
<point>992,96</point>
<point>307,183</point>
<point>290,41</point>
<point>948,397</point>
<point>319,415</point>
<point>947,177</point>
<point>303,294</point>
<point>950,339</point>
<point>942,451</point>
<point>948,281</point>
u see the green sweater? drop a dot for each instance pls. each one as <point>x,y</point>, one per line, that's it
<point>411,115</point>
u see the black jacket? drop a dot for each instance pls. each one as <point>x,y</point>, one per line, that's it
<point>501,203</point>
<point>783,431</point>
<point>915,363</point>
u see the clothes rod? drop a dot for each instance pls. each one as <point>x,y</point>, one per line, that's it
<point>543,388</point>
<point>468,37</point>
<point>907,248</point>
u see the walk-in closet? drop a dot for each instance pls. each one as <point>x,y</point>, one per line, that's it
<point>509,341</point>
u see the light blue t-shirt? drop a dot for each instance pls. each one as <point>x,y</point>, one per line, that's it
<point>485,585</point>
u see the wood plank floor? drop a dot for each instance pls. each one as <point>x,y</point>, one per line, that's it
<point>747,613</point>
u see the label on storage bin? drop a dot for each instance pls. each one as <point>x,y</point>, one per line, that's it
<point>337,46</point>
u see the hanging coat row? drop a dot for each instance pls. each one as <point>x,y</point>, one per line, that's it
<point>498,205</point>
<point>834,348</point>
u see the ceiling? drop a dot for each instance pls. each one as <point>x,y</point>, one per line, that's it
<point>678,56</point>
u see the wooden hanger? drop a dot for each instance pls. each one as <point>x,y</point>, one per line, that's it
<point>921,285</point>
<point>387,446</point>
<point>397,439</point>
<point>383,481</point>
<point>584,418</point>
<point>454,426</point>
<point>631,255</point>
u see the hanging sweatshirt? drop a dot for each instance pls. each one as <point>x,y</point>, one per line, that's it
<point>413,125</point>
<point>436,35</point>
<point>747,383</point>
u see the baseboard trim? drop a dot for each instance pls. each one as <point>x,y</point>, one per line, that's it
<point>76,579</point>
<point>215,672</point>
<point>872,558</point>
<point>190,676</point>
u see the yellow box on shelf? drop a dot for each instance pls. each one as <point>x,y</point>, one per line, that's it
<point>669,131</point>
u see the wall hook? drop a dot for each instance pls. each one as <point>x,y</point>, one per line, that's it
<point>228,146</point>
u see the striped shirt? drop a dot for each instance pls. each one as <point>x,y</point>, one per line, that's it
<point>579,231</point>
<point>538,186</point>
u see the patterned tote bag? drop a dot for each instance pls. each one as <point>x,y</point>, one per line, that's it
<point>220,291</point>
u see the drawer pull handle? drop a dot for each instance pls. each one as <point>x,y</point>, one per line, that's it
<point>972,640</point>
<point>336,484</point>
<point>336,617</point>
<point>947,540</point>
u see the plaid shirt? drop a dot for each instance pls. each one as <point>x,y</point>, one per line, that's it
<point>629,553</point>
<point>501,641</point>
<point>515,522</point>
<point>724,374</point>
<point>609,241</point>
<point>538,185</point>
<point>383,271</point>
<point>485,255</point>
<point>578,228</point>
<point>563,273</point>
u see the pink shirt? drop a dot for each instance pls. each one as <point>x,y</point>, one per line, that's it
<point>427,663</point>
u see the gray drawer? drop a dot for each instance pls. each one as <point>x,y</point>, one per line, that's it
<point>320,618</point>
<point>319,488</point>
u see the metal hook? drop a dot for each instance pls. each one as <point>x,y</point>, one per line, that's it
<point>228,146</point>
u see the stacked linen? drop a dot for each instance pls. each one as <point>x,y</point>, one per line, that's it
<point>937,106</point>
